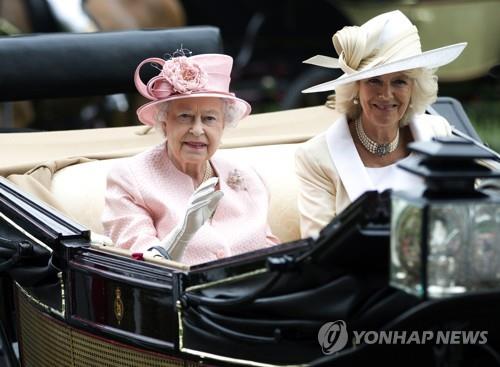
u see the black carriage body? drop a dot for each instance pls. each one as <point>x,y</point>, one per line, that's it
<point>76,303</point>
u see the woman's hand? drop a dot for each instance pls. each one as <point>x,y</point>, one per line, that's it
<point>201,206</point>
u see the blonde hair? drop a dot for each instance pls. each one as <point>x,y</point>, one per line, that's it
<point>423,94</point>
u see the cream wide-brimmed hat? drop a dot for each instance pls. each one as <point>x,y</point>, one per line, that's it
<point>181,77</point>
<point>385,44</point>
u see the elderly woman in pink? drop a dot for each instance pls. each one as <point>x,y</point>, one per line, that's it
<point>180,199</point>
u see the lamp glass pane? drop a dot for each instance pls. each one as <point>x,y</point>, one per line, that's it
<point>484,248</point>
<point>447,250</point>
<point>464,247</point>
<point>406,238</point>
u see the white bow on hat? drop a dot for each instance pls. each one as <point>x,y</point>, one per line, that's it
<point>385,44</point>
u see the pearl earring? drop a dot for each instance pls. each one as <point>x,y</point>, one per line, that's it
<point>355,100</point>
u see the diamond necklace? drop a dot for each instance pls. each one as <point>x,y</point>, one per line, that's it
<point>374,147</point>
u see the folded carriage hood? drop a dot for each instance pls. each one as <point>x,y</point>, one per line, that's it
<point>23,151</point>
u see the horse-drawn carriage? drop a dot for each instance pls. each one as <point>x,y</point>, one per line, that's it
<point>72,299</point>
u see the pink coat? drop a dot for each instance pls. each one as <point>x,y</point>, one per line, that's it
<point>147,195</point>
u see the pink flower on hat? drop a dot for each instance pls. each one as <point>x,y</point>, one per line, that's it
<point>183,75</point>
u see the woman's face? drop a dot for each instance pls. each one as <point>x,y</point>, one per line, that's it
<point>385,98</point>
<point>194,129</point>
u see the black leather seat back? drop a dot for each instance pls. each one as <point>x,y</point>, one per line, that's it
<point>87,64</point>
<point>452,110</point>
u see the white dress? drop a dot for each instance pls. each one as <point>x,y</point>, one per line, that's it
<point>396,178</point>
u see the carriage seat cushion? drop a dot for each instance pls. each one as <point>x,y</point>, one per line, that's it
<point>79,188</point>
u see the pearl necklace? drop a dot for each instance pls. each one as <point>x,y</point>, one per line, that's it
<point>372,146</point>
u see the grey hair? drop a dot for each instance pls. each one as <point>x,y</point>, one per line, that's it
<point>230,114</point>
<point>423,94</point>
<point>161,117</point>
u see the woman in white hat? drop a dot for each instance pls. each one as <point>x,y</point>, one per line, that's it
<point>180,199</point>
<point>387,84</point>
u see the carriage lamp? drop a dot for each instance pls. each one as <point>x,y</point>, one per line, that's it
<point>446,241</point>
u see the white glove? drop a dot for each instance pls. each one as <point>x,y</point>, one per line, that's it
<point>201,206</point>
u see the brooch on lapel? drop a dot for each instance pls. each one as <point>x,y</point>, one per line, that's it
<point>235,180</point>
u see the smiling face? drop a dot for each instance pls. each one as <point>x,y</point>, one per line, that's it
<point>194,128</point>
<point>384,99</point>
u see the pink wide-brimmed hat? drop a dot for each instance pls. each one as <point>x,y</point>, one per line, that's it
<point>385,44</point>
<point>206,75</point>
